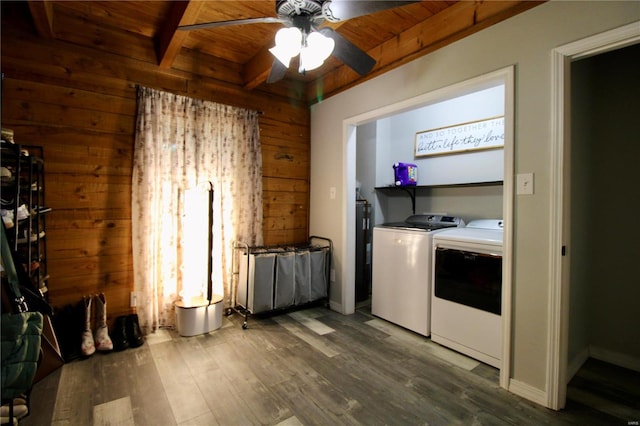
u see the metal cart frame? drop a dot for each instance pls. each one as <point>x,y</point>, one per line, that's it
<point>241,248</point>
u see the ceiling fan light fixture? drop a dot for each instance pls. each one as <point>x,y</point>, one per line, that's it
<point>302,19</point>
<point>288,42</point>
<point>318,48</point>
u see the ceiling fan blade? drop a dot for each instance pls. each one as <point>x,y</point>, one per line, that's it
<point>278,70</point>
<point>340,10</point>
<point>350,54</point>
<point>265,20</point>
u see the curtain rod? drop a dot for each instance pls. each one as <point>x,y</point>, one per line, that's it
<point>137,86</point>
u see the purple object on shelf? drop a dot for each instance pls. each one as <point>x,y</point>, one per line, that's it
<point>405,174</point>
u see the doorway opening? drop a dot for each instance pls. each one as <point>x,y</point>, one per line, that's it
<point>358,126</point>
<point>585,157</point>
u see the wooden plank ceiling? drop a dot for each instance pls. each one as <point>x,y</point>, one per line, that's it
<point>239,55</point>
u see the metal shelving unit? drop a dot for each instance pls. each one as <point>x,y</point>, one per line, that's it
<point>23,200</point>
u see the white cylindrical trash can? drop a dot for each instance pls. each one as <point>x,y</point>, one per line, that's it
<point>198,317</point>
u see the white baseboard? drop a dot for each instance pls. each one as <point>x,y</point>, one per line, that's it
<point>540,397</point>
<point>528,392</point>
<point>615,358</point>
<point>576,363</point>
<point>335,306</point>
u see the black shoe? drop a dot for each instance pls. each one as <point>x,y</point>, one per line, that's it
<point>134,334</point>
<point>119,334</point>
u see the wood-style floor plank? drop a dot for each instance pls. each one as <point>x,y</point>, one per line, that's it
<point>116,412</point>
<point>315,367</point>
<point>225,404</point>
<point>263,407</point>
<point>78,392</point>
<point>609,389</point>
<point>185,399</point>
<point>149,400</point>
<point>302,333</point>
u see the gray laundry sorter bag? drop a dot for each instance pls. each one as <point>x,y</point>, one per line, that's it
<point>302,277</point>
<point>318,273</point>
<point>260,280</point>
<point>284,290</point>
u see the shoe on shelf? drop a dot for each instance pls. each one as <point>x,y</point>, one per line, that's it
<point>7,203</point>
<point>43,284</point>
<point>7,135</point>
<point>20,400</point>
<point>33,237</point>
<point>7,218</point>
<point>19,411</point>
<point>6,176</point>
<point>5,421</point>
<point>23,212</point>
<point>41,209</point>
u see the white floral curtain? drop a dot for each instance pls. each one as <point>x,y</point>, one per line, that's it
<point>180,144</point>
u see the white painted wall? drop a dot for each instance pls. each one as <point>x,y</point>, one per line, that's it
<point>395,142</point>
<point>525,41</point>
<point>476,166</point>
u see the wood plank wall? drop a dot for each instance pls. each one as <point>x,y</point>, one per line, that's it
<point>80,104</point>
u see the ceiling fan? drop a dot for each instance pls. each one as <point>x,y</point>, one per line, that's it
<point>302,34</point>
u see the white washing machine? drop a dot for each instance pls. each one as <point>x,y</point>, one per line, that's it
<point>401,270</point>
<point>466,304</point>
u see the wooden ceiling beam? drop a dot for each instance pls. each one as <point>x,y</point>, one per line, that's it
<point>42,14</point>
<point>452,24</point>
<point>257,70</point>
<point>169,39</point>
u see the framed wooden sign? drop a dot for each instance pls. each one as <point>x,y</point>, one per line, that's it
<point>471,136</point>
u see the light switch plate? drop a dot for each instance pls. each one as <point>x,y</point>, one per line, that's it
<point>524,184</point>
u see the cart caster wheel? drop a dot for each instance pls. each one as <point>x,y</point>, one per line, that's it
<point>229,311</point>
<point>244,326</point>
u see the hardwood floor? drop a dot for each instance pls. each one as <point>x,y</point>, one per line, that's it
<point>311,367</point>
<point>607,388</point>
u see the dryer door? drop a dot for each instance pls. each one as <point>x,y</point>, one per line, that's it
<point>468,278</point>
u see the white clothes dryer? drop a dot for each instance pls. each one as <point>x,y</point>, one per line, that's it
<point>466,303</point>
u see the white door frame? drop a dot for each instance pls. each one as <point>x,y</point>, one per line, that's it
<point>558,332</point>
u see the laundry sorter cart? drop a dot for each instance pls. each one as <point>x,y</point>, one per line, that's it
<point>279,278</point>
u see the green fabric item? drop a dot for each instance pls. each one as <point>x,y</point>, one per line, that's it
<point>20,351</point>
